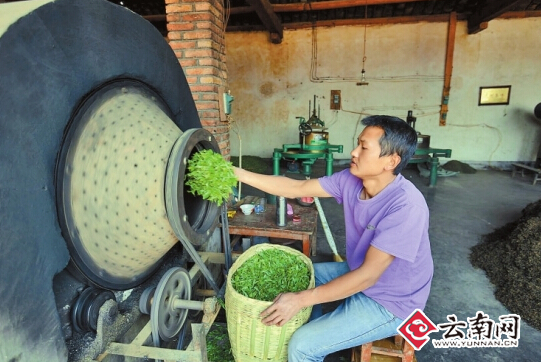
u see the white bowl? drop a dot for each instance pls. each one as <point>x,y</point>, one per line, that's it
<point>247,208</point>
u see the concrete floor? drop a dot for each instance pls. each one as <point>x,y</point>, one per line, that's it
<point>462,209</point>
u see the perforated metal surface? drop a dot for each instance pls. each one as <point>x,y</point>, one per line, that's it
<point>113,184</point>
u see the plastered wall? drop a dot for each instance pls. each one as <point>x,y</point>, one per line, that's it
<point>274,83</point>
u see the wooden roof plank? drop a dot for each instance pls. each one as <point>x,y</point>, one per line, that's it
<point>486,11</point>
<point>268,17</point>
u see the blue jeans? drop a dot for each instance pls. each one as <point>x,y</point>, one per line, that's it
<point>357,320</point>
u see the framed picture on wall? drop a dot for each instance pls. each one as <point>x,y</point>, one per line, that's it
<point>491,96</point>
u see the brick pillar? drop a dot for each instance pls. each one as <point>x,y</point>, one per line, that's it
<point>196,34</point>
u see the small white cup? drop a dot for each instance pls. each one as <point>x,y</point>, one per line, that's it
<point>247,208</point>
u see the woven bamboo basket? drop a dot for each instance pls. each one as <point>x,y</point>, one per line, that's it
<point>251,340</point>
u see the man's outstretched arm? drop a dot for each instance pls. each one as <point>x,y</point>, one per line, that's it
<point>280,185</point>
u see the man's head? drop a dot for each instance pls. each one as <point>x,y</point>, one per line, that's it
<point>397,139</point>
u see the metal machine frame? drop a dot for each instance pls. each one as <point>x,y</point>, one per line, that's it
<point>141,345</point>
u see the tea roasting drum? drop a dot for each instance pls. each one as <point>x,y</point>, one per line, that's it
<point>96,125</point>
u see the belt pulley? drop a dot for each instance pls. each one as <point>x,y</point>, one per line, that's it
<point>168,304</point>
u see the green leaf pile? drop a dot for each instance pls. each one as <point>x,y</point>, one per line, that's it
<point>210,176</point>
<point>218,344</point>
<point>269,273</point>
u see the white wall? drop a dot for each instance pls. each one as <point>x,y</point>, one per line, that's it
<point>404,66</point>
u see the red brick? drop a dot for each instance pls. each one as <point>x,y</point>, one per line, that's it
<point>207,122</point>
<point>212,129</point>
<point>219,137</point>
<point>207,105</point>
<point>205,43</point>
<point>180,26</point>
<point>203,6</point>
<point>204,88</point>
<point>216,12</point>
<point>224,148</point>
<point>208,115</point>
<point>195,97</point>
<point>198,53</point>
<point>215,28</point>
<point>222,128</point>
<point>209,62</point>
<point>196,17</point>
<point>204,24</point>
<point>192,80</point>
<point>174,35</point>
<point>224,135</point>
<point>217,38</point>
<point>210,80</point>
<point>171,18</point>
<point>183,7</point>
<point>185,63</point>
<point>209,96</point>
<point>201,71</point>
<point>182,44</point>
<point>199,34</point>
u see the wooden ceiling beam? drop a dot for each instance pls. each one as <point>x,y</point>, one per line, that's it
<point>336,4</point>
<point>486,11</point>
<point>320,5</point>
<point>268,17</point>
<point>342,22</point>
<point>382,21</point>
<point>521,14</point>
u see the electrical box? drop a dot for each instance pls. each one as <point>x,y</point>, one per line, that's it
<point>228,99</point>
<point>336,100</point>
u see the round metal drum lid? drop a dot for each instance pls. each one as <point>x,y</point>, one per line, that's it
<point>192,218</point>
<point>111,185</point>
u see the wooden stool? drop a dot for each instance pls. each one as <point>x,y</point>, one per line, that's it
<point>400,349</point>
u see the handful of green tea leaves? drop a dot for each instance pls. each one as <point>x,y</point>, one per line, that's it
<point>269,273</point>
<point>210,176</point>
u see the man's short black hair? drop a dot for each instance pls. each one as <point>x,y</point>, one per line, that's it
<point>398,137</point>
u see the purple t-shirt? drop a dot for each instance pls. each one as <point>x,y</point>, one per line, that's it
<point>394,221</point>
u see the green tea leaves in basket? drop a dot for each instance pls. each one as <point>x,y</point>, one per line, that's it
<point>210,176</point>
<point>269,273</point>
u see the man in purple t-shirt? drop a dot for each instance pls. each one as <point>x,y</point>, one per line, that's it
<point>389,263</point>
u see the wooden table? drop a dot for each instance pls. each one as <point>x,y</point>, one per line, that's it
<point>265,225</point>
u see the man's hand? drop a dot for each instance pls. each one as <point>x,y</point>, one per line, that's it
<point>284,307</point>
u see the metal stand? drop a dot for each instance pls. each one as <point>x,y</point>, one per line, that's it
<point>431,157</point>
<point>168,305</point>
<point>226,238</point>
<point>308,155</point>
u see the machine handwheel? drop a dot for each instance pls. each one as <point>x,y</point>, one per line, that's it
<point>305,129</point>
<point>165,317</point>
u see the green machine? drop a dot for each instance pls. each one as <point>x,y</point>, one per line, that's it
<point>426,154</point>
<point>313,145</point>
